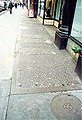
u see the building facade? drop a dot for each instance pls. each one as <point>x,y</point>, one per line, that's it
<point>75,38</point>
<point>67,13</point>
<point>54,12</point>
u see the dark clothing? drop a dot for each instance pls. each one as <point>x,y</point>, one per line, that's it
<point>10,7</point>
<point>5,5</point>
<point>48,12</point>
<point>10,11</point>
<point>15,5</point>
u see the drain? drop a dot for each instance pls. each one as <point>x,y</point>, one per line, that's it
<point>66,107</point>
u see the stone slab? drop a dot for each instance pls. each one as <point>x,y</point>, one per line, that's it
<point>8,33</point>
<point>3,107</point>
<point>5,87</point>
<point>34,106</point>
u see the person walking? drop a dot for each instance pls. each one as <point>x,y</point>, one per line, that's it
<point>15,4</point>
<point>10,6</point>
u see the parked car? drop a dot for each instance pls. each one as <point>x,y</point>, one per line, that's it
<point>3,5</point>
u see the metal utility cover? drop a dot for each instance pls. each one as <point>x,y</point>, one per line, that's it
<point>66,107</point>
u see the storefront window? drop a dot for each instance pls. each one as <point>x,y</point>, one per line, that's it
<point>53,8</point>
<point>77,22</point>
<point>50,7</point>
<point>58,7</point>
<point>41,8</point>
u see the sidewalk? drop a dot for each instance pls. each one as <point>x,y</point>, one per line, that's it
<point>40,73</point>
<point>8,33</point>
<point>38,62</point>
<point>44,84</point>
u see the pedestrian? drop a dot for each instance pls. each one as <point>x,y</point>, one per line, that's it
<point>10,7</point>
<point>20,4</point>
<point>15,5</point>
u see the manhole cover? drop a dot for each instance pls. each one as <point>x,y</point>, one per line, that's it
<point>66,107</point>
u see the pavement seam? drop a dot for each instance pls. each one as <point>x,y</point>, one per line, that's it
<point>8,101</point>
<point>46,92</point>
<point>35,91</point>
<point>5,79</point>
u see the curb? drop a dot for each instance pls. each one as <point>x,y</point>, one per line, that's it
<point>3,12</point>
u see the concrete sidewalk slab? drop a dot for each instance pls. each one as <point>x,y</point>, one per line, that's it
<point>43,76</point>
<point>3,107</point>
<point>39,66</point>
<point>39,106</point>
<point>30,107</point>
<point>8,34</point>
<point>5,88</point>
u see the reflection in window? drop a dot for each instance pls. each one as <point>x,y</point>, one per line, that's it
<point>77,22</point>
<point>53,8</point>
<point>58,9</point>
<point>41,8</point>
<point>50,7</point>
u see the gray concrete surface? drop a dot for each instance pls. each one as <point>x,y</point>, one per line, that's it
<point>39,65</point>
<point>41,73</point>
<point>8,33</point>
<point>3,107</point>
<point>39,107</point>
<point>4,87</point>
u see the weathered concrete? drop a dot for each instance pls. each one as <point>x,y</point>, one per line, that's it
<point>39,66</point>
<point>3,107</point>
<point>8,33</point>
<point>38,106</point>
<point>40,73</point>
<point>5,88</point>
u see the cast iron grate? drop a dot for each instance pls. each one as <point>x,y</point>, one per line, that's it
<point>66,107</point>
